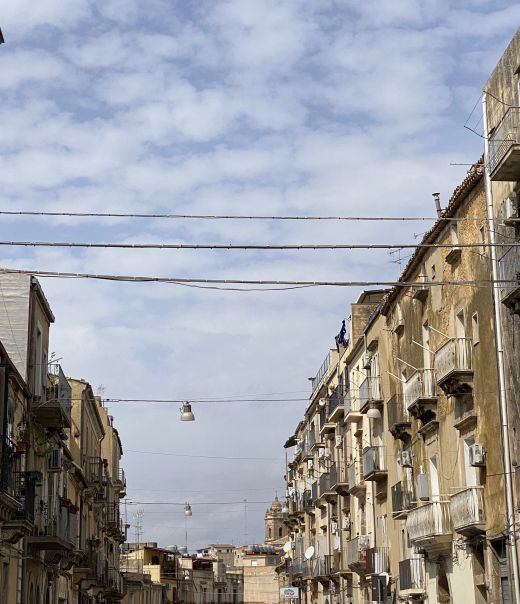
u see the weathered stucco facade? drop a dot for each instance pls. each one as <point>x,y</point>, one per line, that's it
<point>396,487</point>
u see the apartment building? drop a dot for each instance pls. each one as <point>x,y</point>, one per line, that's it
<point>53,511</point>
<point>396,484</point>
<point>501,119</point>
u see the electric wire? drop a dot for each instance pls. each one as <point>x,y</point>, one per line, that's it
<point>227,216</point>
<point>252,246</point>
<point>280,282</point>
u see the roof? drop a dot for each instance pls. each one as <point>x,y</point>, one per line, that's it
<point>473,178</point>
<point>44,302</point>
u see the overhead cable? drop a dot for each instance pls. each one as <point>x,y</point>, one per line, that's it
<point>252,282</point>
<point>251,246</point>
<point>225,216</point>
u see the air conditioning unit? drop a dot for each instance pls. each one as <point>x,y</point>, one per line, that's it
<point>339,440</point>
<point>510,210</point>
<point>405,457</point>
<point>477,455</point>
<point>367,357</point>
<point>55,459</point>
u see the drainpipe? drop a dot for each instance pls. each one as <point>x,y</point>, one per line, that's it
<point>511,528</point>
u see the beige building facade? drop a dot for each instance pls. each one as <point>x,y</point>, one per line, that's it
<point>396,486</point>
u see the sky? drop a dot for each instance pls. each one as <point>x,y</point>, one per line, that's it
<point>328,107</point>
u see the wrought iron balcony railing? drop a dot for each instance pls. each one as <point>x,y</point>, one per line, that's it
<point>52,408</point>
<point>429,524</point>
<point>374,463</point>
<point>504,144</point>
<point>412,576</point>
<point>402,499</point>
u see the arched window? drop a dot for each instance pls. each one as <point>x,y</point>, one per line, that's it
<point>270,533</point>
<point>280,532</point>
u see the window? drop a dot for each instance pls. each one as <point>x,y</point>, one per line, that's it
<point>280,532</point>
<point>474,329</point>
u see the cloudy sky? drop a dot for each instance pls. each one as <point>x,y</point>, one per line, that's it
<point>225,106</point>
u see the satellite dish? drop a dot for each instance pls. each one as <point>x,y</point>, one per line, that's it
<point>287,547</point>
<point>309,552</point>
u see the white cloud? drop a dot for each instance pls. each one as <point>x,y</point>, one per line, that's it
<point>225,107</point>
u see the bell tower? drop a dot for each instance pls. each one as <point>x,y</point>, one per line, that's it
<point>275,529</point>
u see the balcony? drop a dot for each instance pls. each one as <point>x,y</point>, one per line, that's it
<point>52,409</point>
<point>509,277</point>
<point>412,578</point>
<point>336,408</point>
<point>10,466</point>
<point>504,148</point>
<point>419,394</point>
<point>114,523</point>
<point>307,500</point>
<point>399,421</point>
<point>357,553</point>
<point>356,481</point>
<point>56,527</point>
<point>429,526</point>
<point>453,366</point>
<point>326,366</point>
<point>326,491</point>
<point>370,393</point>
<point>340,484</point>
<point>315,492</point>
<point>374,466</point>
<point>467,511</point>
<point>113,580</point>
<point>94,471</point>
<point>120,483</point>
<point>326,425</point>
<point>322,568</point>
<point>402,500</point>
<point>377,561</point>
<point>351,407</point>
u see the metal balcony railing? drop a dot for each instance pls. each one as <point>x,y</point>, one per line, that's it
<point>357,552</point>
<point>321,566</point>
<point>324,481</point>
<point>94,470</point>
<point>419,386</point>
<point>314,491</point>
<point>452,357</point>
<point>311,438</point>
<point>402,498</point>
<point>336,400</point>
<point>52,408</point>
<point>412,574</point>
<point>377,560</point>
<point>333,476</point>
<point>307,500</point>
<point>322,372</point>
<point>467,510</point>
<point>373,460</point>
<point>355,475</point>
<point>56,520</point>
<point>429,521</point>
<point>10,467</point>
<point>370,392</point>
<point>397,413</point>
<point>505,136</point>
<point>509,275</point>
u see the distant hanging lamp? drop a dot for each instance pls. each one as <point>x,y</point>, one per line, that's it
<point>187,510</point>
<point>187,413</point>
<point>373,413</point>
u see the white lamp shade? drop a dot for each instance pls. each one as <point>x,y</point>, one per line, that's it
<point>374,413</point>
<point>187,413</point>
<point>187,510</point>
